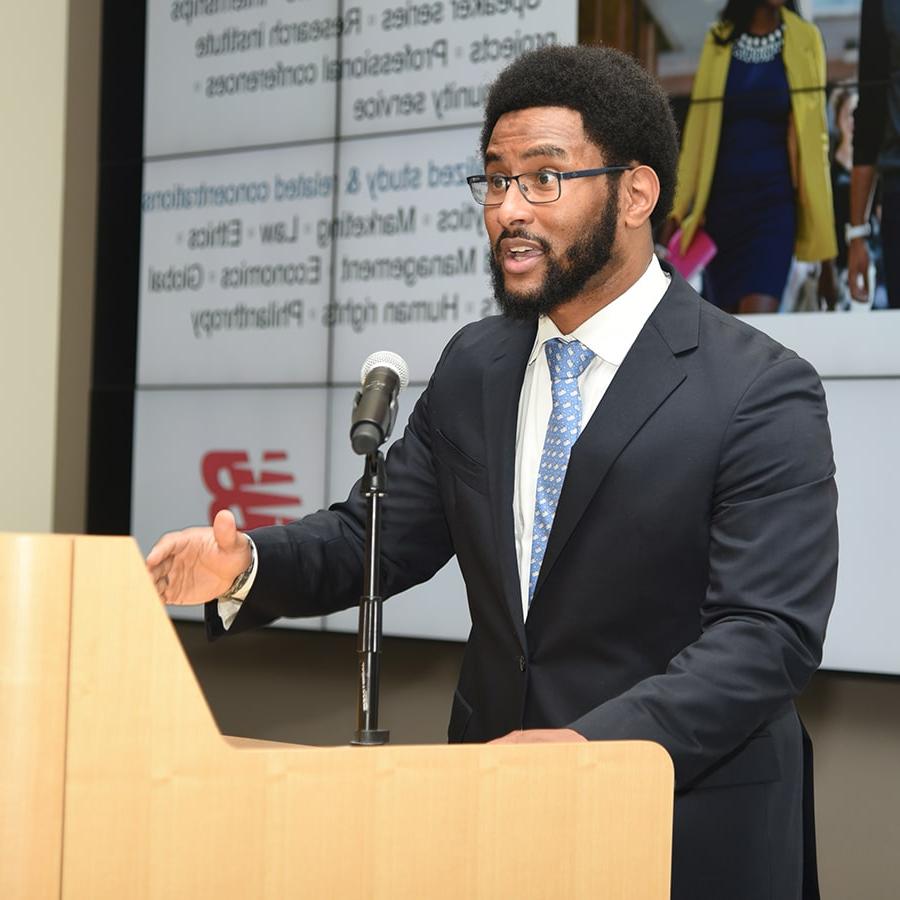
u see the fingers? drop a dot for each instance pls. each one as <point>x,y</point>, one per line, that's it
<point>161,575</point>
<point>161,569</point>
<point>541,736</point>
<point>225,529</point>
<point>169,592</point>
<point>170,587</point>
<point>161,549</point>
<point>159,562</point>
<point>514,737</point>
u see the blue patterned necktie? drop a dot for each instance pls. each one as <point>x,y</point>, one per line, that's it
<point>567,360</point>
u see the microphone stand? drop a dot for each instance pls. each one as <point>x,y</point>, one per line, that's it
<point>373,488</point>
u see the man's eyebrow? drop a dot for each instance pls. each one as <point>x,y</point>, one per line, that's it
<point>545,150</point>
<point>540,150</point>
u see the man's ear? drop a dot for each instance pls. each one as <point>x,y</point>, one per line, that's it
<point>638,195</point>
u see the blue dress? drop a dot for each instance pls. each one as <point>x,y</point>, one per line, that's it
<point>751,214</point>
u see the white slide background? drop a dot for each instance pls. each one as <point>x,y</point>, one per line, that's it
<point>864,632</point>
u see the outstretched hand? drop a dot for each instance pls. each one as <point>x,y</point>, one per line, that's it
<point>198,564</point>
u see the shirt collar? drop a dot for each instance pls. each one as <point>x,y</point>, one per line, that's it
<point>611,331</point>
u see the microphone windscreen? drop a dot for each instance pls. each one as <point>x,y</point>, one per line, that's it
<point>392,361</point>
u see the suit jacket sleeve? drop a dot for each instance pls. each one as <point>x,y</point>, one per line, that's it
<point>772,572</point>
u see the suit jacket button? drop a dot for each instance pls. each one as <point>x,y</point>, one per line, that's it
<point>521,663</point>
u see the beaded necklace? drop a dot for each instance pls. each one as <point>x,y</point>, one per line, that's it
<point>759,48</point>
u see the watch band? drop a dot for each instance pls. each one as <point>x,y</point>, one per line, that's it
<point>241,579</point>
<point>856,231</point>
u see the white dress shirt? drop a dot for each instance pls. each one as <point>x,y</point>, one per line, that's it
<point>609,333</point>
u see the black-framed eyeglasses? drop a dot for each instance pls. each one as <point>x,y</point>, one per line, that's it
<point>536,187</point>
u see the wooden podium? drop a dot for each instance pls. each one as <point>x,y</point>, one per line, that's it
<point>117,784</point>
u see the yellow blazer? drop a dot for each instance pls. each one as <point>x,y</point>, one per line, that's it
<point>804,63</point>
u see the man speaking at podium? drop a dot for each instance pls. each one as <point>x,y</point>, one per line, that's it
<point>637,486</point>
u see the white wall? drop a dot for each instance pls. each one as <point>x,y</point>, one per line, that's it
<point>47,191</point>
<point>32,154</point>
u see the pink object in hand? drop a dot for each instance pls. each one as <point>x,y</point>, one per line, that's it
<point>699,253</point>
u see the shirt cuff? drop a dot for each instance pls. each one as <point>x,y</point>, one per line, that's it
<point>230,606</point>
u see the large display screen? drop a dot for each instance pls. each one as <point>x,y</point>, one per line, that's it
<point>303,204</point>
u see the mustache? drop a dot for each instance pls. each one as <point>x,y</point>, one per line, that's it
<point>523,235</point>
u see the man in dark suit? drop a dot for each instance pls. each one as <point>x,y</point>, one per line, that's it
<point>638,488</point>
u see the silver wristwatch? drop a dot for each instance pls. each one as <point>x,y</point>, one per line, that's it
<point>241,580</point>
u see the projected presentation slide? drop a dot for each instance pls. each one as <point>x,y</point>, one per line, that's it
<point>862,633</point>
<point>420,65</point>
<point>259,453</point>
<point>240,74</point>
<point>235,275</point>
<point>410,257</point>
<point>256,452</point>
<point>227,75</point>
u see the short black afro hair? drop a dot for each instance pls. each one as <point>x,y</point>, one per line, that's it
<point>625,111</point>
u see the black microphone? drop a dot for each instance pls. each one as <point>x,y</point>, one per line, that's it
<point>383,376</point>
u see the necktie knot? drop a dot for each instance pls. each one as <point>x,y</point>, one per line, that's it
<point>566,359</point>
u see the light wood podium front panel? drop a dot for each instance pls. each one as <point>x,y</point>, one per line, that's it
<point>35,587</point>
<point>158,804</point>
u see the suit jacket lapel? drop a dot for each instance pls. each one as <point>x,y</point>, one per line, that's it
<point>502,387</point>
<point>648,375</point>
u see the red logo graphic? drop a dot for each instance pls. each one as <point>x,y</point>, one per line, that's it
<point>235,485</point>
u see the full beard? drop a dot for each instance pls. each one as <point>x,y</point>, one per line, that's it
<point>584,260</point>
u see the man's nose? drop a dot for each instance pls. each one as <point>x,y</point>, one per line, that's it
<point>515,209</point>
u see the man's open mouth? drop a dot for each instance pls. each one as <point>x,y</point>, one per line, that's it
<point>518,255</point>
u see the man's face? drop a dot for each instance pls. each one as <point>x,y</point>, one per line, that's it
<point>545,255</point>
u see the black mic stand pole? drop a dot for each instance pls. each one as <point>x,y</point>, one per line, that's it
<point>373,487</point>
